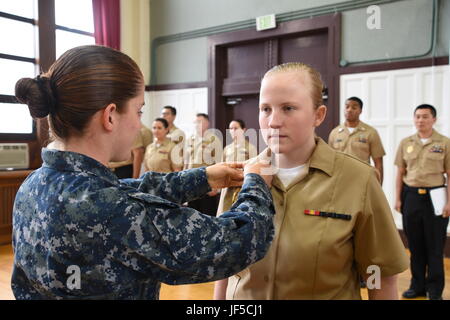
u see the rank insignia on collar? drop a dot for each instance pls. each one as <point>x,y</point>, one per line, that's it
<point>334,215</point>
<point>341,129</point>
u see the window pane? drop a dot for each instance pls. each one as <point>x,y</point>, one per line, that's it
<point>20,38</point>
<point>75,14</point>
<point>11,71</point>
<point>67,40</point>
<point>23,8</point>
<point>18,119</point>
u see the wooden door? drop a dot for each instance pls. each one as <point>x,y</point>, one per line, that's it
<point>238,60</point>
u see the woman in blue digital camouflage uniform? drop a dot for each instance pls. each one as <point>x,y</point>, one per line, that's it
<point>80,233</point>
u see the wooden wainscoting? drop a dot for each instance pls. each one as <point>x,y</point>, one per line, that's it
<point>10,182</point>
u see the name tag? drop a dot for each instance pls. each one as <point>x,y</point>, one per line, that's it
<point>333,215</point>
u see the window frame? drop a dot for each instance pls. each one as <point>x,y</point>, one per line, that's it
<point>10,98</point>
<point>46,56</point>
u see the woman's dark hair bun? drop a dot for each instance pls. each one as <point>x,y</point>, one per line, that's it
<point>36,93</point>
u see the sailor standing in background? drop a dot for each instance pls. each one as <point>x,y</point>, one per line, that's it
<point>423,160</point>
<point>358,138</point>
<point>203,148</point>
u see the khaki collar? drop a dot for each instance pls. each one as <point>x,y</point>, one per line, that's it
<point>322,157</point>
<point>173,129</point>
<point>163,144</point>
<point>360,127</point>
<point>435,136</point>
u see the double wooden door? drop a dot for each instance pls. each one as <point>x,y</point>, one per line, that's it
<point>238,60</point>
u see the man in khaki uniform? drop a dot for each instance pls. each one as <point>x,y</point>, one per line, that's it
<point>423,160</point>
<point>203,149</point>
<point>131,168</point>
<point>326,237</point>
<point>358,138</point>
<point>175,134</point>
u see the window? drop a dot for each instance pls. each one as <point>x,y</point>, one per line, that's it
<point>74,24</point>
<point>17,60</point>
<point>69,23</point>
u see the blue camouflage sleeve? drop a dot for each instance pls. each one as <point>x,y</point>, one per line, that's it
<point>176,245</point>
<point>178,187</point>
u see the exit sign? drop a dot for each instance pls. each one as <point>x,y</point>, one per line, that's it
<point>266,22</point>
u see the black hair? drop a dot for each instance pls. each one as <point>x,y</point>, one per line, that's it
<point>356,99</point>
<point>241,123</point>
<point>204,115</point>
<point>427,106</point>
<point>163,121</point>
<point>172,109</point>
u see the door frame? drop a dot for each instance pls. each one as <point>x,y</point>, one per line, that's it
<point>218,43</point>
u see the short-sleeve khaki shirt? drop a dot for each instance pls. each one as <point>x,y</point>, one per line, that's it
<point>425,164</point>
<point>330,225</point>
<point>176,135</point>
<point>202,151</point>
<point>159,158</point>
<point>239,152</point>
<point>363,143</point>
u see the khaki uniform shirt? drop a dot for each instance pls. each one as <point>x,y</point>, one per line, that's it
<point>363,143</point>
<point>158,157</point>
<point>239,152</point>
<point>331,224</point>
<point>143,139</point>
<point>425,164</point>
<point>176,135</point>
<point>203,151</point>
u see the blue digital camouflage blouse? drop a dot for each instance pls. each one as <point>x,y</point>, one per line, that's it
<point>74,218</point>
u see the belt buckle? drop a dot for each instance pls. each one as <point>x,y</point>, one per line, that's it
<point>421,191</point>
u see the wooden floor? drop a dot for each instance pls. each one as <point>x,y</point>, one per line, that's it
<point>202,291</point>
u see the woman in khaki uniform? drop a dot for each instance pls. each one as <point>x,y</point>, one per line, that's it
<point>332,219</point>
<point>159,155</point>
<point>240,149</point>
<point>423,161</point>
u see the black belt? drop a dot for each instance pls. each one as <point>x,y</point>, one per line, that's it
<point>420,190</point>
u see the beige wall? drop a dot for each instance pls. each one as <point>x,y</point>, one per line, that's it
<point>135,33</point>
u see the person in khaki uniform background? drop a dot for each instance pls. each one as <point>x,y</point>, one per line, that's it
<point>240,149</point>
<point>203,148</point>
<point>131,168</point>
<point>358,138</point>
<point>175,134</point>
<point>422,160</point>
<point>158,155</point>
<point>332,219</point>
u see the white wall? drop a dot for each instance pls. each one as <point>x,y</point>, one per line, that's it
<point>389,99</point>
<point>188,103</point>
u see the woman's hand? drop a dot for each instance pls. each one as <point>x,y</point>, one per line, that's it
<point>446,211</point>
<point>223,175</point>
<point>261,168</point>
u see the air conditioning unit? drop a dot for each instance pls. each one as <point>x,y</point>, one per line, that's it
<point>14,156</point>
